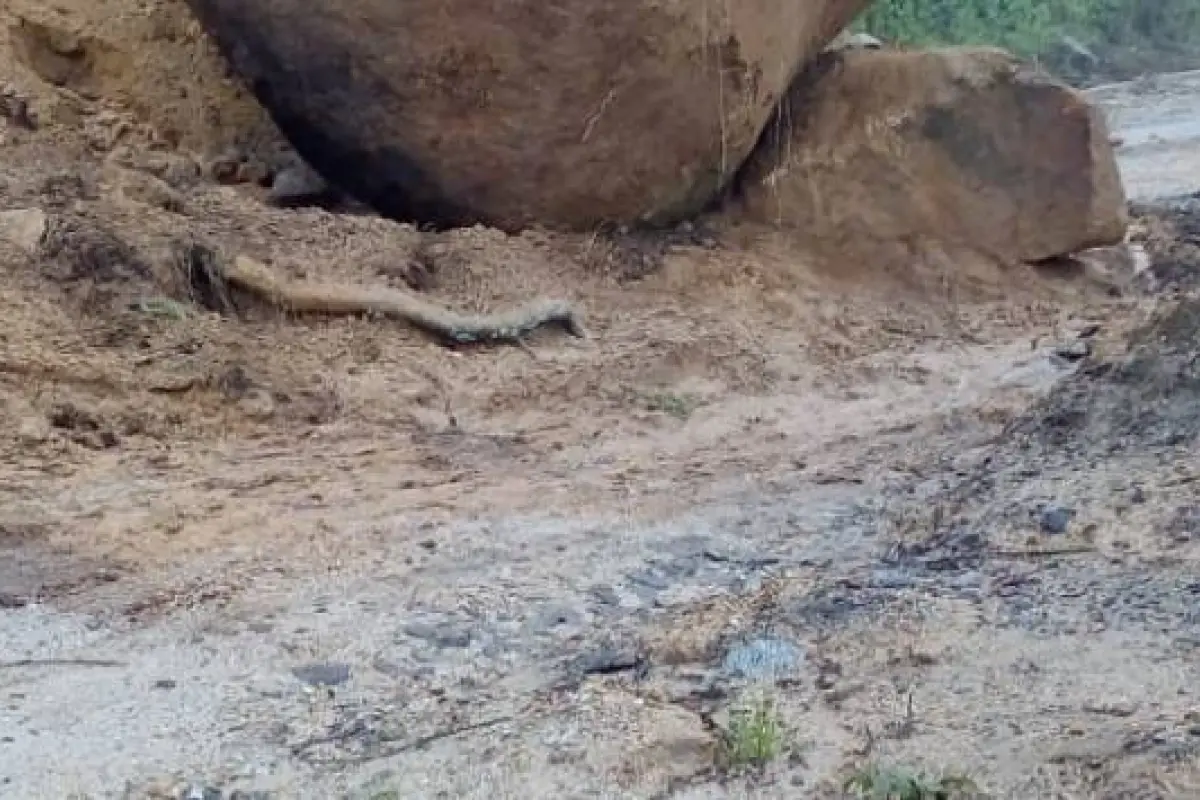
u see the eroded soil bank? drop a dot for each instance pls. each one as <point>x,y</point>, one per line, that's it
<point>957,510</point>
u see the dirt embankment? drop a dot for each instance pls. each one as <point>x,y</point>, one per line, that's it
<point>538,564</point>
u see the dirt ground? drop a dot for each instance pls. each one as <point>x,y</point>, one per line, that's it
<point>246,555</point>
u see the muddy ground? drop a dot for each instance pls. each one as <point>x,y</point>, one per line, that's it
<point>942,518</point>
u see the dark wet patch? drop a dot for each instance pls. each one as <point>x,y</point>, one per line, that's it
<point>1078,601</point>
<point>832,608</point>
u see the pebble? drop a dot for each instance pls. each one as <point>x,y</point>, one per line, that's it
<point>609,659</point>
<point>33,431</point>
<point>23,227</point>
<point>257,404</point>
<point>650,579</point>
<point>441,634</point>
<point>1074,351</point>
<point>331,673</point>
<point>1055,520</point>
<point>298,185</point>
<point>548,620</point>
<point>892,579</point>
<point>196,792</point>
<point>605,595</point>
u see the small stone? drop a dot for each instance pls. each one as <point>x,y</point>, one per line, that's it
<point>1111,709</point>
<point>323,674</point>
<point>298,185</point>
<point>855,41</point>
<point>195,792</point>
<point>442,635</point>
<point>1074,351</point>
<point>165,683</point>
<point>608,660</point>
<point>149,190</point>
<point>33,431</point>
<point>605,595</point>
<point>257,404</point>
<point>23,227</point>
<point>1055,520</point>
<point>550,619</point>
<point>892,579</point>
<point>967,580</point>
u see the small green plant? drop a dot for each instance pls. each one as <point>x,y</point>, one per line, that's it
<point>755,736</point>
<point>162,307</point>
<point>677,405</point>
<point>900,783</point>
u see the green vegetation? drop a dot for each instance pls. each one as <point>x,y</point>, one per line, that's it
<point>756,736</point>
<point>1036,28</point>
<point>899,783</point>
<point>680,406</point>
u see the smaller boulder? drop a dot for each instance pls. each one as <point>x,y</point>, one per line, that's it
<point>963,146</point>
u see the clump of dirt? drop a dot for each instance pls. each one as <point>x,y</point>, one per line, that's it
<point>1083,459</point>
<point>1148,398</point>
<point>1170,233</point>
<point>81,250</point>
<point>129,73</point>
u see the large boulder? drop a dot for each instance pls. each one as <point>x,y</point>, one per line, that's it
<point>567,113</point>
<point>963,146</point>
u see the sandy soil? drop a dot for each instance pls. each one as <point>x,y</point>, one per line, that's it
<point>254,556</point>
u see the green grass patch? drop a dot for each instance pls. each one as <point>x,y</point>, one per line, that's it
<point>901,783</point>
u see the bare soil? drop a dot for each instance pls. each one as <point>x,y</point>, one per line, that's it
<point>310,558</point>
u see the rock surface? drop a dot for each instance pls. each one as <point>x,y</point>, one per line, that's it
<point>964,146</point>
<point>567,114</point>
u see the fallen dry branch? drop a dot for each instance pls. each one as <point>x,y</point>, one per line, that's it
<point>341,299</point>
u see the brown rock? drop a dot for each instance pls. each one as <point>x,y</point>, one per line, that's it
<point>565,113</point>
<point>962,146</point>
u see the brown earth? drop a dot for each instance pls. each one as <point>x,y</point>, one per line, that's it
<point>534,562</point>
<point>140,72</point>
